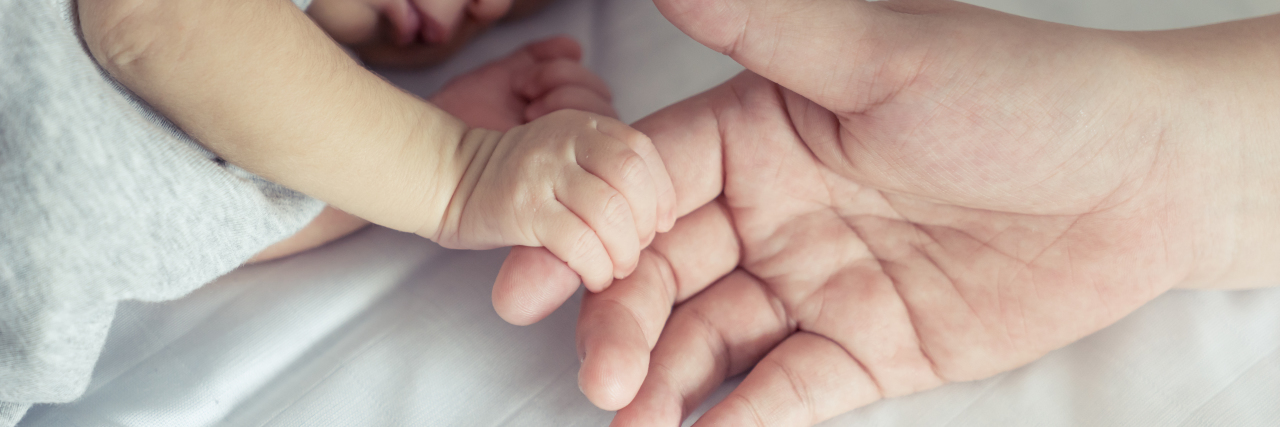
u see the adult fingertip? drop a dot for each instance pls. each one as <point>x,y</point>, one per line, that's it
<point>606,400</point>
<point>531,284</point>
<point>614,352</point>
<point>610,377</point>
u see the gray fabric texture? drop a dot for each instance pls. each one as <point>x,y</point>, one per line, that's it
<point>10,413</point>
<point>102,200</point>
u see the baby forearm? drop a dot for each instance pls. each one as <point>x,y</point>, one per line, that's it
<point>257,83</point>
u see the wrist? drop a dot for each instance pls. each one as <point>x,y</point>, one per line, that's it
<point>1220,85</point>
<point>475,148</point>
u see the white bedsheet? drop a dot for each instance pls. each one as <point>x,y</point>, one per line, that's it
<point>386,329</point>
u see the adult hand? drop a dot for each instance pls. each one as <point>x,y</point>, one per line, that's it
<point>919,192</point>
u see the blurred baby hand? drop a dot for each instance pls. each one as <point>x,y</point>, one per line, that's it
<point>589,188</point>
<point>539,78</point>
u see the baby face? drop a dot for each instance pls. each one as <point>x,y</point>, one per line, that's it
<point>410,32</point>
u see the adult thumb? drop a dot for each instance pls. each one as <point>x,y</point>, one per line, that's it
<point>825,50</point>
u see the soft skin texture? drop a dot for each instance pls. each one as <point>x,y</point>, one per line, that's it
<point>375,151</point>
<point>922,192</point>
<point>531,82</point>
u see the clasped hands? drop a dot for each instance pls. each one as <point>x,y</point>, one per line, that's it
<point>897,195</point>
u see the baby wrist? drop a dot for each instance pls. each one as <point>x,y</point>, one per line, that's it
<point>475,148</point>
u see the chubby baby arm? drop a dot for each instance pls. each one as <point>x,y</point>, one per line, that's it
<point>258,83</point>
<point>538,78</point>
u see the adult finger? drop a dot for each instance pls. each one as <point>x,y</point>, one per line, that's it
<point>618,327</point>
<point>687,137</point>
<point>533,268</point>
<point>803,381</point>
<point>722,331</point>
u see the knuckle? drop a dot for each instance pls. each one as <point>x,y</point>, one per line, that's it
<point>747,408</point>
<point>582,250</point>
<point>633,169</point>
<point>616,210</point>
<point>799,388</point>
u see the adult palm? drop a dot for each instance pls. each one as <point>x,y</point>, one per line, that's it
<point>908,201</point>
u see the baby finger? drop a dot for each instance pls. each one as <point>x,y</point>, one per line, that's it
<point>664,191</point>
<point>606,211</point>
<point>564,72</point>
<point>555,47</point>
<point>624,170</point>
<point>570,239</point>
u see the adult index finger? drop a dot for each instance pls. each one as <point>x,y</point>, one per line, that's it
<point>620,325</point>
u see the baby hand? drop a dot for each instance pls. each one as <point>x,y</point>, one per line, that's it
<point>589,188</point>
<point>539,78</point>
